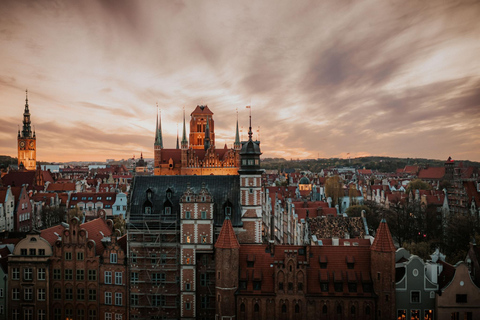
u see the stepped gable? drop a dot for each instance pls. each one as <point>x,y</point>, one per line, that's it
<point>383,239</point>
<point>227,238</point>
<point>222,189</point>
<point>95,228</point>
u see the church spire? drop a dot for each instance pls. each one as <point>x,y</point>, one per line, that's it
<point>178,146</point>
<point>184,134</point>
<point>236,145</point>
<point>26,129</point>
<point>158,135</point>
<point>206,143</point>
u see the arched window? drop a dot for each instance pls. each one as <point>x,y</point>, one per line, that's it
<point>353,310</point>
<point>256,308</point>
<point>367,310</point>
<point>284,308</point>
<point>324,309</point>
<point>242,307</point>
<point>339,309</point>
<point>297,308</point>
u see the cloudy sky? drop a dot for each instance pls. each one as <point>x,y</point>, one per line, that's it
<point>324,78</point>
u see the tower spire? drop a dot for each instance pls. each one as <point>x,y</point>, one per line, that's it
<point>184,135</point>
<point>236,144</point>
<point>178,147</point>
<point>156,127</point>
<point>158,135</point>
<point>250,124</point>
<point>26,130</point>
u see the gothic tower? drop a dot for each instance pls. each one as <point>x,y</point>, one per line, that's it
<point>251,190</point>
<point>198,126</point>
<point>27,142</point>
<point>382,253</point>
<point>158,145</point>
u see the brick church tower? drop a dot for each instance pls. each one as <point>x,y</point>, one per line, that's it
<point>250,190</point>
<point>27,142</point>
<point>382,253</point>
<point>201,120</point>
<point>226,266</point>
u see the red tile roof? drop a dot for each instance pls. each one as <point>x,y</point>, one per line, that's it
<point>446,275</point>
<point>61,187</point>
<point>95,228</point>
<point>472,192</point>
<point>50,234</point>
<point>19,178</point>
<point>432,173</point>
<point>365,171</point>
<point>383,239</point>
<point>205,111</point>
<point>227,238</point>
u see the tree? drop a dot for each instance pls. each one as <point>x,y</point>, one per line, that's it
<point>75,212</point>
<point>119,224</point>
<point>334,189</point>
<point>417,184</point>
<point>356,211</point>
<point>421,249</point>
<point>459,231</point>
<point>373,214</point>
<point>352,194</point>
<point>51,216</point>
<point>405,220</point>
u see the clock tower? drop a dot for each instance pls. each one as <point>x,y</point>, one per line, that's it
<point>27,142</point>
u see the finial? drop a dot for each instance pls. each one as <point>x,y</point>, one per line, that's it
<point>250,124</point>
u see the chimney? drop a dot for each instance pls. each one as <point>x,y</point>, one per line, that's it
<point>335,241</point>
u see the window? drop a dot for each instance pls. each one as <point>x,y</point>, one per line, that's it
<point>134,299</point>
<point>461,298</point>
<point>33,252</point>
<point>324,286</point>
<point>1,292</point>
<point>41,252</point>
<point>118,316</point>
<point>153,258</point>
<point>338,286</point>
<point>41,294</point>
<point>79,255</point>
<point>68,293</point>
<point>187,287</point>
<point>353,310</point>
<point>324,309</point>
<point>257,285</point>
<point>339,309</point>
<point>80,313</point>
<point>204,302</point>
<point>187,215</point>
<point>68,274</point>
<point>284,308</point>
<point>27,314</point>
<point>57,293</point>
<point>468,315</point>
<point>99,198</point>
<point>156,300</point>
<point>297,308</point>
<point>300,286</point>
<point>57,274</point>
<point>290,286</point>
<point>204,215</point>
<point>251,191</point>
<point>113,258</point>
<point>203,279</point>
<point>243,285</point>
<point>23,252</point>
<point>108,316</point>
<point>108,298</point>
<point>118,298</point>
<point>57,314</point>
<point>133,258</point>
<point>80,274</point>
<point>92,314</point>
<point>428,315</point>
<point>148,210</point>
<point>415,314</point>
<point>204,239</point>
<point>28,294</point>
<point>92,275</point>
<point>92,294</point>
<point>68,256</point>
<point>134,277</point>
<point>242,307</point>
<point>187,239</point>
<point>16,274</point>
<point>415,297</point>
<point>41,274</point>
<point>27,274</point>
<point>163,258</point>
<point>187,306</point>
<point>352,287</point>
<point>80,294</point>
<point>168,210</point>
<point>108,277</point>
<point>118,278</point>
<point>42,314</point>
<point>367,287</point>
<point>15,294</point>
<point>256,307</point>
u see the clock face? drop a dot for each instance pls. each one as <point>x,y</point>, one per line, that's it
<point>22,144</point>
<point>31,144</point>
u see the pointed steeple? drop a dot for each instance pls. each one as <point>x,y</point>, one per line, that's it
<point>26,129</point>
<point>184,134</point>
<point>236,144</point>
<point>158,135</point>
<point>383,239</point>
<point>250,133</point>
<point>227,238</point>
<point>156,127</point>
<point>206,143</point>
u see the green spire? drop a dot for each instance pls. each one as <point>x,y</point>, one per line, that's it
<point>237,136</point>
<point>158,134</point>
<point>184,135</point>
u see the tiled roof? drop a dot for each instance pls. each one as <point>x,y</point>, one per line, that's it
<point>19,178</point>
<point>227,238</point>
<point>432,173</point>
<point>383,239</point>
<point>446,275</point>
<point>205,111</point>
<point>61,187</point>
<point>95,228</point>
<point>3,195</point>
<point>411,169</point>
<point>472,192</point>
<point>50,234</point>
<point>365,171</point>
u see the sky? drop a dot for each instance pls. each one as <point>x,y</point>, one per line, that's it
<point>325,79</point>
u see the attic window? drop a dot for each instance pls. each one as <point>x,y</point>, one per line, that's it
<point>168,210</point>
<point>33,239</point>
<point>187,198</point>
<point>169,193</point>
<point>149,194</point>
<point>250,260</point>
<point>350,262</point>
<point>323,262</point>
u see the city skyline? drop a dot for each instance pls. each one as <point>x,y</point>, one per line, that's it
<point>398,79</point>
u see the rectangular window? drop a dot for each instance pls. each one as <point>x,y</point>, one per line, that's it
<point>33,252</point>
<point>92,275</point>
<point>69,293</point>
<point>338,287</point>
<point>163,258</point>
<point>1,292</point>
<point>15,294</point>
<point>16,274</point>
<point>92,294</point>
<point>41,273</point>
<point>134,277</point>
<point>68,274</point>
<point>187,215</point>
<point>187,287</point>
<point>415,297</point>
<point>57,274</point>
<point>108,298</point>
<point>428,314</point>
<point>204,239</point>
<point>153,259</point>
<point>204,215</point>
<point>415,314</point>
<point>118,316</point>
<point>23,252</point>
<point>352,287</point>
<point>92,314</point>
<point>108,277</point>
<point>257,285</point>
<point>80,256</point>
<point>68,256</point>
<point>118,278</point>
<point>203,279</point>
<point>80,314</point>
<point>27,274</point>
<point>41,252</point>
<point>80,294</point>
<point>27,314</point>
<point>28,294</point>
<point>57,314</point>
<point>118,298</point>
<point>187,239</point>
<point>324,286</point>
<point>42,315</point>
<point>57,293</point>
<point>80,274</point>
<point>133,258</point>
<point>461,298</point>
<point>113,258</point>
<point>108,316</point>
<point>41,294</point>
<point>134,299</point>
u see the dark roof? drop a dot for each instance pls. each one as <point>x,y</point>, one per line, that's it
<point>19,178</point>
<point>222,188</point>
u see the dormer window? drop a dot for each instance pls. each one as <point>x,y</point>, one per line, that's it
<point>169,194</point>
<point>168,210</point>
<point>187,198</point>
<point>149,194</point>
<point>148,210</point>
